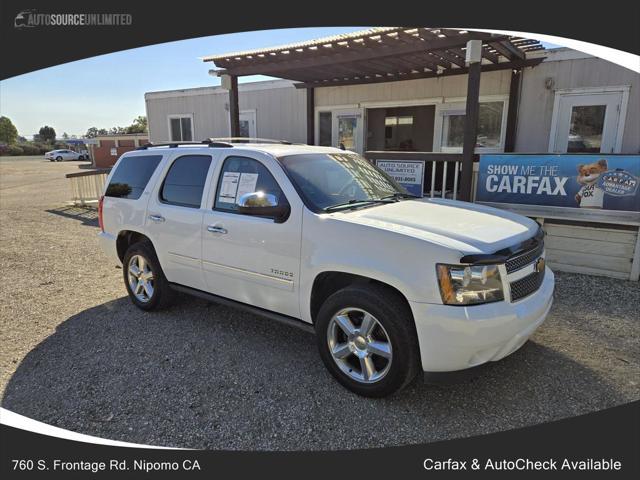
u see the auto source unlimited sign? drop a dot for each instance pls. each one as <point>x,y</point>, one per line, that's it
<point>607,182</point>
<point>408,173</point>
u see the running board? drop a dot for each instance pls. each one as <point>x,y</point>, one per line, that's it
<point>278,317</point>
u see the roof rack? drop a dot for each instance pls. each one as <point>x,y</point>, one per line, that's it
<point>209,143</point>
<point>249,140</point>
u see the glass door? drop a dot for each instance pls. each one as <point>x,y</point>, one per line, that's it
<point>347,130</point>
<point>586,123</point>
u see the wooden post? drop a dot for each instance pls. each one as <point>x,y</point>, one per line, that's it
<point>311,116</point>
<point>512,112</point>
<point>234,110</point>
<point>470,131</point>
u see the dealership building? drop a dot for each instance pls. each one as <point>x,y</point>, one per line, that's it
<point>450,99</point>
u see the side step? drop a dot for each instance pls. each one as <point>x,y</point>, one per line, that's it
<point>290,321</point>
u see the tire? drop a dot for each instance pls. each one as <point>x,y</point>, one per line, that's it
<point>398,365</point>
<point>160,295</point>
<point>58,159</point>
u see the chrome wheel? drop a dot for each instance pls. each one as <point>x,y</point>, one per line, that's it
<point>359,345</point>
<point>140,278</point>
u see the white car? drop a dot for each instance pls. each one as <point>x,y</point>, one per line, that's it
<point>62,155</point>
<point>318,237</point>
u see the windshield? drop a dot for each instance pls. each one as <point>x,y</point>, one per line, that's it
<point>336,179</point>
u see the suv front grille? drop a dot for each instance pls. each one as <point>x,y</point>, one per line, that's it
<point>526,285</point>
<point>523,259</point>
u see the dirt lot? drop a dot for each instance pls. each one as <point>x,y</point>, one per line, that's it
<point>76,354</point>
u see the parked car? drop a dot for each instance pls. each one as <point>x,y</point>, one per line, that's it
<point>61,155</point>
<point>320,238</point>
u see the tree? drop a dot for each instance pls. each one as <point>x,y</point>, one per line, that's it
<point>139,125</point>
<point>8,131</point>
<point>94,132</point>
<point>65,136</point>
<point>47,134</point>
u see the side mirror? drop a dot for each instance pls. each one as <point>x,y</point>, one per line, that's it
<point>263,204</point>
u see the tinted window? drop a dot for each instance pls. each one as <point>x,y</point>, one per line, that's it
<point>242,175</point>
<point>184,182</point>
<point>132,175</point>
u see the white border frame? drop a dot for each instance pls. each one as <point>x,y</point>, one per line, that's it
<point>622,114</point>
<point>180,115</point>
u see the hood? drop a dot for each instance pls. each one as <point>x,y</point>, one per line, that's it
<point>466,227</point>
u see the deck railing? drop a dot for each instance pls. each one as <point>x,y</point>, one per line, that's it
<point>87,186</point>
<point>442,171</point>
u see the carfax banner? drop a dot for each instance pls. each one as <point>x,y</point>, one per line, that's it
<point>608,182</point>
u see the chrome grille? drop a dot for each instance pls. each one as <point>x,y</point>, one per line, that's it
<point>526,285</point>
<point>522,260</point>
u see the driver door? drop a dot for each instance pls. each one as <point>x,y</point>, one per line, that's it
<point>247,258</point>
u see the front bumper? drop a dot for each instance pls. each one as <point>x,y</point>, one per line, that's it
<point>456,338</point>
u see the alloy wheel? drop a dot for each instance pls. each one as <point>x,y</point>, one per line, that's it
<point>359,345</point>
<point>140,278</point>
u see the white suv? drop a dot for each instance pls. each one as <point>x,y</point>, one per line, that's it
<point>320,238</point>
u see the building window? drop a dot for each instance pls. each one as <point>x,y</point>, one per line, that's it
<point>401,128</point>
<point>491,126</point>
<point>181,128</point>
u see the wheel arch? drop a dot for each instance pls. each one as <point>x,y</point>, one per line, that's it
<point>126,238</point>
<point>327,283</point>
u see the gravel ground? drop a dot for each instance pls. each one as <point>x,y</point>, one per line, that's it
<point>76,354</point>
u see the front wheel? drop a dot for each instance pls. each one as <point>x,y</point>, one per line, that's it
<point>144,279</point>
<point>367,340</point>
<point>58,159</point>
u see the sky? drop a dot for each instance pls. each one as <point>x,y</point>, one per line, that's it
<point>108,90</point>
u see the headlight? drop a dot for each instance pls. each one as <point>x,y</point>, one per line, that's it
<point>469,285</point>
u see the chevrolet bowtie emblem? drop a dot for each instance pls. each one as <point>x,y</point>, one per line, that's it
<point>540,265</point>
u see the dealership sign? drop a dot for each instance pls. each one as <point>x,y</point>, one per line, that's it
<point>598,181</point>
<point>408,173</point>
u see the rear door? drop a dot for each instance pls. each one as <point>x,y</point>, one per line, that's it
<point>174,217</point>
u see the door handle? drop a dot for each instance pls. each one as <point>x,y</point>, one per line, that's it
<point>216,229</point>
<point>156,218</point>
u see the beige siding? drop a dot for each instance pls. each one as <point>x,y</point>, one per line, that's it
<point>491,83</point>
<point>591,249</point>
<point>280,112</point>
<point>536,101</point>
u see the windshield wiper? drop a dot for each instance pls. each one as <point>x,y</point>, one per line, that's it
<point>358,203</point>
<point>400,195</point>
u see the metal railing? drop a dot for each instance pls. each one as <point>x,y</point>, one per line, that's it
<point>442,171</point>
<point>87,186</point>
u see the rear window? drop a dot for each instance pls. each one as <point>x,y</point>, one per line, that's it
<point>132,175</point>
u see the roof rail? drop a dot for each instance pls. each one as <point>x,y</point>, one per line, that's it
<point>249,140</point>
<point>209,143</point>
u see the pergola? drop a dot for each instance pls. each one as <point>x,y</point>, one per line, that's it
<point>388,54</point>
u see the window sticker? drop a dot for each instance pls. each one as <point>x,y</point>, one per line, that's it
<point>247,184</point>
<point>229,187</point>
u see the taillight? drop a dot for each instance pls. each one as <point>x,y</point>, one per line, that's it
<point>100,221</point>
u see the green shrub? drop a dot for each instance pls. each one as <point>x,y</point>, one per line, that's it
<point>14,150</point>
<point>29,149</point>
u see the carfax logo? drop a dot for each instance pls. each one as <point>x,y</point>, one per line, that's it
<point>31,18</point>
<point>619,182</point>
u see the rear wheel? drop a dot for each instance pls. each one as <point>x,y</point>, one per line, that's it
<point>367,340</point>
<point>144,279</point>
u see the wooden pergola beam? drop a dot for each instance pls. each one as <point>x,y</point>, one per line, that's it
<point>507,49</point>
<point>348,56</point>
<point>412,76</point>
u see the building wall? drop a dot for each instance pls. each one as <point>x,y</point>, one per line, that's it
<point>280,110</point>
<point>101,153</point>
<point>492,83</point>
<point>536,101</point>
